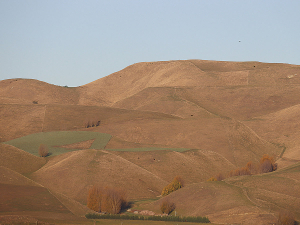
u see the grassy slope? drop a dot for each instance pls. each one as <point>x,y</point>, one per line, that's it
<point>19,160</point>
<point>193,166</point>
<point>82,169</point>
<point>141,174</point>
<point>219,201</point>
<point>274,191</point>
<point>53,140</point>
<point>25,91</point>
<point>231,139</point>
<point>20,120</point>
<point>25,200</point>
<point>244,199</point>
<point>281,127</point>
<point>22,196</point>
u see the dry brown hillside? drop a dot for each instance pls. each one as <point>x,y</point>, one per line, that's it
<point>239,200</point>
<point>141,174</point>
<point>18,160</point>
<point>220,114</point>
<point>29,91</point>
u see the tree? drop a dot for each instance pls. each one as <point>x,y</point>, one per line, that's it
<point>173,186</point>
<point>251,167</point>
<point>267,164</point>
<point>167,206</point>
<point>43,150</point>
<point>113,201</point>
<point>94,198</point>
<point>220,177</point>
<point>285,218</point>
<point>180,180</point>
<point>109,200</point>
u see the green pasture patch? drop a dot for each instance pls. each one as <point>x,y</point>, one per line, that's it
<point>145,149</point>
<point>197,219</point>
<point>141,222</point>
<point>53,140</point>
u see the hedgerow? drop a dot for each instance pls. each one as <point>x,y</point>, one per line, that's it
<point>196,219</point>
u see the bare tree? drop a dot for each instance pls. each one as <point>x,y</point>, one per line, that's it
<point>43,150</point>
<point>167,206</point>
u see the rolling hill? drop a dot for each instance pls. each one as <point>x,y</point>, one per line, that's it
<point>155,120</point>
<point>244,199</point>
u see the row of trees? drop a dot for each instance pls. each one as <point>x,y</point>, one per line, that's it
<point>267,164</point>
<point>92,123</point>
<point>108,200</point>
<point>194,219</point>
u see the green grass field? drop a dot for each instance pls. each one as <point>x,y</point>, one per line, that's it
<point>134,222</point>
<point>31,143</point>
<point>54,141</point>
<point>145,149</point>
<point>130,222</point>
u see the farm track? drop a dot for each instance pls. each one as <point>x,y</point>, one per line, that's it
<point>258,206</point>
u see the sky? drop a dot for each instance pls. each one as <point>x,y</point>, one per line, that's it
<point>74,42</point>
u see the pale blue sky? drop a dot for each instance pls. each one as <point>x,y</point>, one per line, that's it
<point>72,42</point>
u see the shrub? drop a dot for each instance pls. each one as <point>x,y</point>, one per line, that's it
<point>167,206</point>
<point>267,164</point>
<point>212,179</point>
<point>173,186</point>
<point>92,123</point>
<point>109,200</point>
<point>43,150</point>
<point>285,218</point>
<point>180,180</point>
<point>220,177</point>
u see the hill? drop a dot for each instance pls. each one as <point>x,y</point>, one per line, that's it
<point>244,199</point>
<point>19,160</point>
<point>155,120</point>
<point>141,174</point>
<point>27,201</point>
<point>29,91</point>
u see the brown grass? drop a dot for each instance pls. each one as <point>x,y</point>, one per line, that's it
<point>19,160</point>
<point>85,168</point>
<point>30,199</point>
<point>229,112</point>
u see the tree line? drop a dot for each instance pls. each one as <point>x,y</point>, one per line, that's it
<point>267,164</point>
